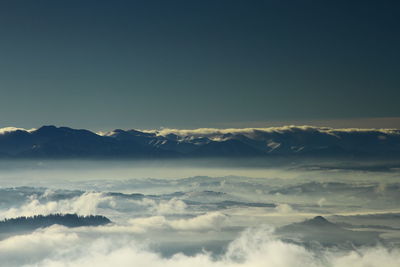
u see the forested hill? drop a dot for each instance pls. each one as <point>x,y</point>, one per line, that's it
<point>41,221</point>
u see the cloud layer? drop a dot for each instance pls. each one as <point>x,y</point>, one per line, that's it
<point>254,247</point>
<point>206,221</point>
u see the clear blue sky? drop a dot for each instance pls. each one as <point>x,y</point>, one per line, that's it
<point>210,63</point>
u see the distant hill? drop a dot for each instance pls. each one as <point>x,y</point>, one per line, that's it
<point>303,141</point>
<point>23,224</point>
<point>326,233</point>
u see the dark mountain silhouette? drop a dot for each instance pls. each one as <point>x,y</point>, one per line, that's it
<point>326,233</point>
<point>23,224</point>
<point>64,142</point>
<point>228,148</point>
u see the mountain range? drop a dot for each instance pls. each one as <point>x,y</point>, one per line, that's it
<point>304,141</point>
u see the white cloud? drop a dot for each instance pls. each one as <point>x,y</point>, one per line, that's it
<point>142,224</point>
<point>211,221</point>
<point>321,201</point>
<point>170,206</point>
<point>204,222</point>
<point>369,257</point>
<point>283,208</point>
<point>208,221</point>
<point>13,129</point>
<point>35,247</point>
<point>250,131</point>
<point>58,246</point>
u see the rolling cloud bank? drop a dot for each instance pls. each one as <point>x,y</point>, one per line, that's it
<point>287,218</point>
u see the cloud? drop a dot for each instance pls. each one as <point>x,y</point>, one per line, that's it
<point>210,220</point>
<point>35,247</point>
<point>255,247</point>
<point>6,130</point>
<point>171,220</point>
<point>377,256</point>
<point>283,208</point>
<point>142,224</point>
<point>321,201</point>
<point>204,222</point>
<point>210,132</point>
<point>170,206</point>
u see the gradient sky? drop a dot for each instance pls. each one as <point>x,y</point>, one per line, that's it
<point>186,64</point>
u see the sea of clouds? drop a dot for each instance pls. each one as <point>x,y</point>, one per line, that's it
<point>199,220</point>
<point>59,246</point>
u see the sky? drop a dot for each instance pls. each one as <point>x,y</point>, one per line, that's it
<point>188,64</point>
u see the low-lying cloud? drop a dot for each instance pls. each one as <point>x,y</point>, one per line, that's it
<point>170,206</point>
<point>207,221</point>
<point>167,222</point>
<point>58,246</point>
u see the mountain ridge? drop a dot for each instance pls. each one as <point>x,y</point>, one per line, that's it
<point>300,141</point>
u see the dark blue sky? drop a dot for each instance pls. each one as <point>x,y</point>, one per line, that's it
<point>146,64</point>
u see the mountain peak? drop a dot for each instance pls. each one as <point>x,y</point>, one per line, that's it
<point>318,221</point>
<point>46,128</point>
